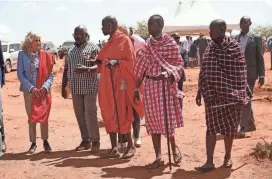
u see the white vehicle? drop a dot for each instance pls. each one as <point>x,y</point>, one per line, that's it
<point>10,53</point>
<point>68,44</point>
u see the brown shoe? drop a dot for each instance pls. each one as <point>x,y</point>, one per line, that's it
<point>84,145</point>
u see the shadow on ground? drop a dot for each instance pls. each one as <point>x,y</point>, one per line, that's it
<point>58,155</point>
<point>135,172</point>
<point>140,172</point>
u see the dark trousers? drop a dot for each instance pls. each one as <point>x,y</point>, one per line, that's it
<point>1,117</point>
<point>201,53</point>
<point>180,82</point>
<point>136,125</point>
<point>2,128</point>
<point>247,114</point>
<point>271,59</point>
<point>185,59</point>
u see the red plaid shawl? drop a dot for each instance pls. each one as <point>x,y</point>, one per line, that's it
<point>171,62</point>
<point>154,58</point>
<point>223,74</point>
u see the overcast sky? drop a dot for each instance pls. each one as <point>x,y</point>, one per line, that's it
<point>55,20</point>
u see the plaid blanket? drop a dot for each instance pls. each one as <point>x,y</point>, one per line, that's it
<point>154,58</point>
<point>223,80</point>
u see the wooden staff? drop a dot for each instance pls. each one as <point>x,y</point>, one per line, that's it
<point>235,103</point>
<point>166,123</point>
<point>115,106</point>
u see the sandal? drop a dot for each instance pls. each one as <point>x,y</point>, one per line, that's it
<point>129,154</point>
<point>241,135</point>
<point>156,164</point>
<point>205,168</point>
<point>114,153</point>
<point>177,156</point>
<point>227,163</point>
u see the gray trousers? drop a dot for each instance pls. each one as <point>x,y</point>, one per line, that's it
<point>2,135</point>
<point>86,113</point>
<point>32,126</point>
<point>2,131</point>
<point>247,113</point>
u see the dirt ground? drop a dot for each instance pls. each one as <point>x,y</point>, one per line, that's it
<point>65,163</point>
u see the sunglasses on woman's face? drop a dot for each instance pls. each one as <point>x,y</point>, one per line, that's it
<point>37,40</point>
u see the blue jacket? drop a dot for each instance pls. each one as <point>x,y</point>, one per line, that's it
<point>2,66</point>
<point>24,74</point>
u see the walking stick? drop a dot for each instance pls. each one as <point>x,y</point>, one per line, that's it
<point>115,106</point>
<point>232,104</point>
<point>166,124</point>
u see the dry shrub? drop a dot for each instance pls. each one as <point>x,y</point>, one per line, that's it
<point>262,150</point>
<point>269,97</point>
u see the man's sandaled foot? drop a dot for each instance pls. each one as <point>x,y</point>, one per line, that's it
<point>205,168</point>
<point>241,134</point>
<point>227,163</point>
<point>129,153</point>
<point>156,164</point>
<point>114,153</point>
<point>177,155</point>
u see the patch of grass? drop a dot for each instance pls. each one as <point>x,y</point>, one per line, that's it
<point>262,150</point>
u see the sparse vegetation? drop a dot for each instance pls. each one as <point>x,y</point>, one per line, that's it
<point>262,150</point>
<point>265,31</point>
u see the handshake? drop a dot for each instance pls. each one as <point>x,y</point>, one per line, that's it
<point>38,93</point>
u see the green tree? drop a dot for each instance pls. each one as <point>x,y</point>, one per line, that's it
<point>141,29</point>
<point>265,31</point>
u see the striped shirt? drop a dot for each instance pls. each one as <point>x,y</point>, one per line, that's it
<point>85,83</point>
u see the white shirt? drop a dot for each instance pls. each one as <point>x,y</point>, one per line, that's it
<point>138,42</point>
<point>185,45</point>
<point>243,39</point>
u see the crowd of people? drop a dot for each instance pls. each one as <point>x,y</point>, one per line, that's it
<point>145,80</point>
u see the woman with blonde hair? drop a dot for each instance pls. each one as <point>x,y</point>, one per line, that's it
<point>36,77</point>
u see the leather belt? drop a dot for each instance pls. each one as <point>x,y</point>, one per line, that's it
<point>154,78</point>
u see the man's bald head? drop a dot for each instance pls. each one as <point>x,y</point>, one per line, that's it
<point>158,19</point>
<point>218,29</point>
<point>109,25</point>
<point>245,23</point>
<point>81,34</point>
<point>111,19</point>
<point>221,24</point>
<point>245,19</point>
<point>155,25</point>
<point>82,28</point>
